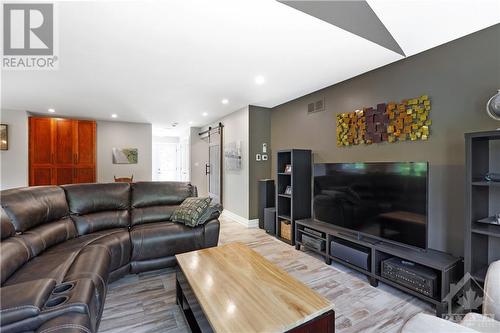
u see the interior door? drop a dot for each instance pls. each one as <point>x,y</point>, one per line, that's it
<point>214,165</point>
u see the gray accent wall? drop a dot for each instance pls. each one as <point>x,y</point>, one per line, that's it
<point>259,133</point>
<point>459,77</point>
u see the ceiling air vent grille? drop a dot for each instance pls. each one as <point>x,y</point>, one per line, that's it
<point>316,106</point>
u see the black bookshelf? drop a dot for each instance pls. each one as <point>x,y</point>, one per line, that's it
<point>297,205</point>
<point>482,241</point>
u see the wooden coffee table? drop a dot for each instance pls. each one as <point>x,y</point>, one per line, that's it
<point>233,289</point>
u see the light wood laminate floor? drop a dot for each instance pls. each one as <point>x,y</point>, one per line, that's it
<point>146,302</point>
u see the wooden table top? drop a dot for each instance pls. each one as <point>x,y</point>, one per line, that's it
<point>241,291</point>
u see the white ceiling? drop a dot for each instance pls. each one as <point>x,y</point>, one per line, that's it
<point>170,61</point>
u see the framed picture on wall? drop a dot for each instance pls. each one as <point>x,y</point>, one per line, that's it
<point>125,155</point>
<point>4,137</point>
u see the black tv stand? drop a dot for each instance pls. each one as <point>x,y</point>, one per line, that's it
<point>448,268</point>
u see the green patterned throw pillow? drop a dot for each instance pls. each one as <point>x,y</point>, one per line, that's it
<point>191,211</point>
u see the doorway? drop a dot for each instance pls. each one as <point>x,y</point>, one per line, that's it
<point>170,158</point>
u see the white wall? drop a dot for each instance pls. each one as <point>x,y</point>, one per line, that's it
<point>111,134</point>
<point>14,162</point>
<point>235,182</point>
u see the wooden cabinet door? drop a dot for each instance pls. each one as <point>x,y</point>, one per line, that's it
<point>64,142</point>
<point>40,141</point>
<point>40,175</point>
<point>85,171</point>
<point>41,154</point>
<point>63,175</point>
<point>61,151</point>
<point>85,142</point>
<point>84,175</point>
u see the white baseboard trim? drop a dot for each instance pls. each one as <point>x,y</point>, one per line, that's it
<point>241,220</point>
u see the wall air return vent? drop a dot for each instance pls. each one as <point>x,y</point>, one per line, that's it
<point>316,106</point>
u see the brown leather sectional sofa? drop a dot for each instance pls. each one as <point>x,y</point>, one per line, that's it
<point>62,245</point>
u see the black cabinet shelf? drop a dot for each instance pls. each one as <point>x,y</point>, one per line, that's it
<point>285,217</point>
<point>485,183</point>
<point>448,268</point>
<point>485,229</point>
<point>297,205</point>
<point>482,200</point>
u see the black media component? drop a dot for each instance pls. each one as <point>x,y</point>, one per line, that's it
<point>266,198</point>
<point>423,280</point>
<point>270,220</point>
<point>352,253</point>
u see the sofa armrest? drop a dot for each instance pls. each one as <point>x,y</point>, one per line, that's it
<point>480,323</point>
<point>211,233</point>
<point>24,300</point>
<point>424,323</point>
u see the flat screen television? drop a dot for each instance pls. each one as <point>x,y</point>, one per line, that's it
<point>386,200</point>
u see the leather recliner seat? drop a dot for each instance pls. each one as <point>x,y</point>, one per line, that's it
<point>62,245</point>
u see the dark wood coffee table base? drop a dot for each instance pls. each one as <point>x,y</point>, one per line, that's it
<point>194,316</point>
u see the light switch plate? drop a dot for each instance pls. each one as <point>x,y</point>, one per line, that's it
<point>264,157</point>
<point>258,157</point>
<point>264,147</point>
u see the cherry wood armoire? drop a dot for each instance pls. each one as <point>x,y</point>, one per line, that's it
<point>61,151</point>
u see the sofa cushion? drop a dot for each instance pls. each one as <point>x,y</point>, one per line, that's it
<point>192,211</point>
<point>491,304</point>
<point>480,323</point>
<point>31,206</point>
<point>117,240</point>
<point>96,207</point>
<point>89,223</point>
<point>156,201</point>
<point>6,227</point>
<point>13,254</point>
<point>423,322</point>
<point>44,236</point>
<point>93,198</point>
<point>163,239</point>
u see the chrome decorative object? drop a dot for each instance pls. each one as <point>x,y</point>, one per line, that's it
<point>493,106</point>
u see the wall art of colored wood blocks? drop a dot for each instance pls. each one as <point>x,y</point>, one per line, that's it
<point>391,122</point>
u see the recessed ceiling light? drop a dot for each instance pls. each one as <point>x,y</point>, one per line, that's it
<point>204,114</point>
<point>51,110</point>
<point>114,115</point>
<point>260,80</point>
<point>225,101</point>
<point>190,123</point>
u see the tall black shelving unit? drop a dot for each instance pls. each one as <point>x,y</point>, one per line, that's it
<point>297,205</point>
<point>482,241</point>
